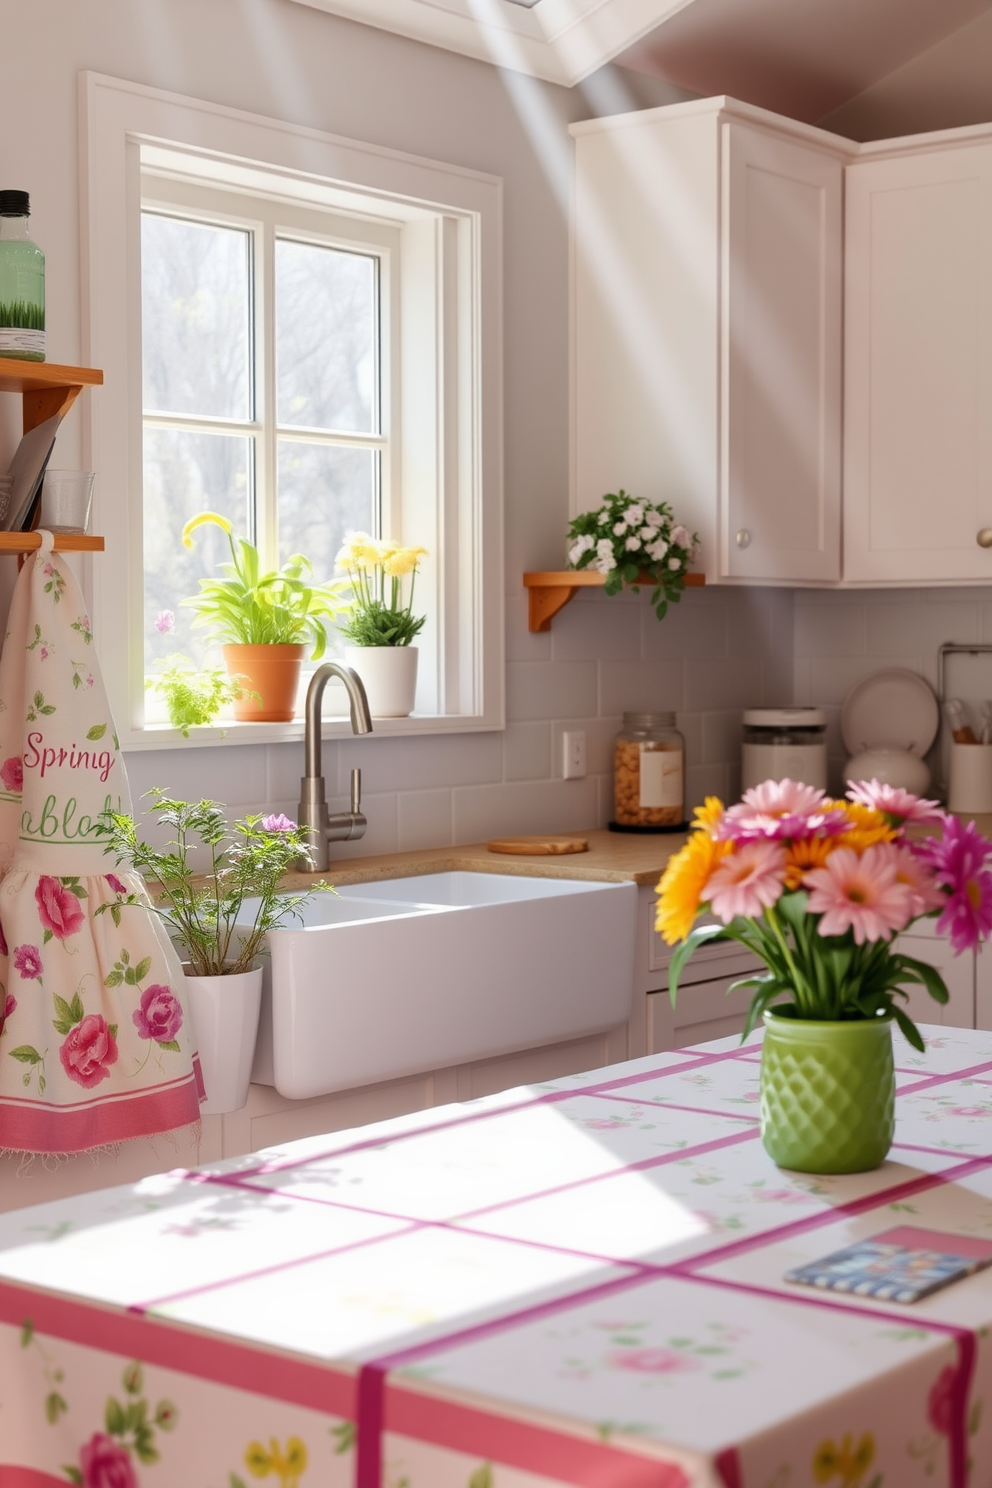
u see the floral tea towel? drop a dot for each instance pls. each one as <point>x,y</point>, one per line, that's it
<point>96,1042</point>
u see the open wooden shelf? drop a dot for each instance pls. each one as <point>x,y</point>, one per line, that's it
<point>551,591</point>
<point>45,387</point>
<point>65,542</point>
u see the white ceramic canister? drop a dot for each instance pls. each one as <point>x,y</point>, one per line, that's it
<point>784,744</point>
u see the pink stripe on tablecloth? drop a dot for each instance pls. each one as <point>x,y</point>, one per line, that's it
<point>867,1202</point>
<point>371,1379</point>
<point>645,1164</point>
<point>667,1105</point>
<point>946,1078</point>
<point>12,1476</point>
<point>554,1097</point>
<point>527,1445</point>
<point>257,1370</point>
<point>31,1127</point>
<point>963,1338</point>
<point>728,1465</point>
<point>222,1282</point>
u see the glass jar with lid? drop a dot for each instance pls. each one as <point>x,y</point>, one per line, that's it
<point>648,773</point>
<point>784,744</point>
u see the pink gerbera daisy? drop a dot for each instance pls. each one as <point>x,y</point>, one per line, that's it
<point>893,801</point>
<point>782,809</point>
<point>861,893</point>
<point>748,882</point>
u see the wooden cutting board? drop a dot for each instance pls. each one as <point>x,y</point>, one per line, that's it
<point>538,846</point>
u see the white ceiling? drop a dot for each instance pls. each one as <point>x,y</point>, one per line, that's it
<point>803,58</point>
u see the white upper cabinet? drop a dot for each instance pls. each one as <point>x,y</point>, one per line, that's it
<point>706,337</point>
<point>918,393</point>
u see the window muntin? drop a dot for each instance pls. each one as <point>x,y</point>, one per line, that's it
<point>294,470</point>
<point>442,225</point>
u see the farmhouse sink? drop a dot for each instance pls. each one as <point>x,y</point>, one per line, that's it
<point>413,974</point>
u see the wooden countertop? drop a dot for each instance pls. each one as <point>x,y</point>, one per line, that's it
<point>613,857</point>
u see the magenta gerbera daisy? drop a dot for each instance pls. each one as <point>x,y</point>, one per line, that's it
<point>962,864</point>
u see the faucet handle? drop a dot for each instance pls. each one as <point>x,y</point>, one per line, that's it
<point>356,792</point>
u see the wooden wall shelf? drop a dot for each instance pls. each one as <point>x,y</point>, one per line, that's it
<point>45,387</point>
<point>551,591</point>
<point>65,542</point>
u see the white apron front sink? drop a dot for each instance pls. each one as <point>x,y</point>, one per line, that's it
<point>413,974</point>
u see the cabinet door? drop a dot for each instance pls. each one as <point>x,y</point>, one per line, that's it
<point>781,358</point>
<point>959,976</point>
<point>918,383</point>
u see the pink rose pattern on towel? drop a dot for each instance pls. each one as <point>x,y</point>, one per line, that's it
<point>96,1045</point>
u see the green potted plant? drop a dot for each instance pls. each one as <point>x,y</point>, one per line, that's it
<point>264,621</point>
<point>217,915</point>
<point>193,695</point>
<point>818,890</point>
<point>380,625</point>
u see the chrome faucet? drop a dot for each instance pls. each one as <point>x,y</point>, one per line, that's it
<point>343,826</point>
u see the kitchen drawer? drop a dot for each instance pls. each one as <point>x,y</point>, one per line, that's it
<point>726,958</point>
<point>703,1011</point>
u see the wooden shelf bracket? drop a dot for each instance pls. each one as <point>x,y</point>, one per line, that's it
<point>550,591</point>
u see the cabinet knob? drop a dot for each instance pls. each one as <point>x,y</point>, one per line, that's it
<point>744,538</point>
<point>983,537</point>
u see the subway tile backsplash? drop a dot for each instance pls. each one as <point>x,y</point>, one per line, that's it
<point>720,650</point>
<point>840,637</point>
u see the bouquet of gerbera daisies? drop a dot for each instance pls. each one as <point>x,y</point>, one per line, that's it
<point>818,889</point>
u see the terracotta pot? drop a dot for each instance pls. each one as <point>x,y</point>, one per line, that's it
<point>389,674</point>
<point>273,672</point>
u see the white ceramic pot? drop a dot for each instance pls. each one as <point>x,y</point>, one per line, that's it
<point>225,1012</point>
<point>898,767</point>
<point>390,677</point>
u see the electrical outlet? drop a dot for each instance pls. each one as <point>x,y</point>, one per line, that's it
<point>573,764</point>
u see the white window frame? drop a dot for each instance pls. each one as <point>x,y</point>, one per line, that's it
<point>449,460</point>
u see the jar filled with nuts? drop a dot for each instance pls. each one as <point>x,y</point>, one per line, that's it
<point>649,772</point>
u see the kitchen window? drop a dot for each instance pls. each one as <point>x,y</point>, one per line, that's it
<point>224,254</point>
<point>266,388</point>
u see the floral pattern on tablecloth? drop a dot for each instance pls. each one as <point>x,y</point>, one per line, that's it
<point>101,1420</point>
<point>591,1263</point>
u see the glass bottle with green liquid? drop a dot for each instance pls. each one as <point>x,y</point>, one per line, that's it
<point>22,282</point>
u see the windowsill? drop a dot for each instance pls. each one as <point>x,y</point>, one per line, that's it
<point>229,732</point>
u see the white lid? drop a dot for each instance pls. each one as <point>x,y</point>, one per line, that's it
<point>785,717</point>
<point>894,709</point>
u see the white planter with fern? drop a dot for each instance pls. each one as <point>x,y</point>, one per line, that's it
<point>225,1013</point>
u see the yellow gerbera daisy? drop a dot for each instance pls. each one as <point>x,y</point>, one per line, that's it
<point>682,883</point>
<point>706,817</point>
<point>868,827</point>
<point>808,852</point>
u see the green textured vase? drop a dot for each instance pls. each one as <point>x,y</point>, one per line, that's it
<point>827,1094</point>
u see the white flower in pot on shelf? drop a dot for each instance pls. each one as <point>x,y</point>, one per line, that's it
<point>380,625</point>
<point>634,543</point>
<point>216,916</point>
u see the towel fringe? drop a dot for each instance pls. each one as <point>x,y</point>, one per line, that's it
<point>53,1161</point>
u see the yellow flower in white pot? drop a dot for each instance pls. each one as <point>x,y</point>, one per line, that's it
<point>380,625</point>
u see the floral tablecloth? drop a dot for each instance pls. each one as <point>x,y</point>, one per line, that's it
<point>579,1283</point>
